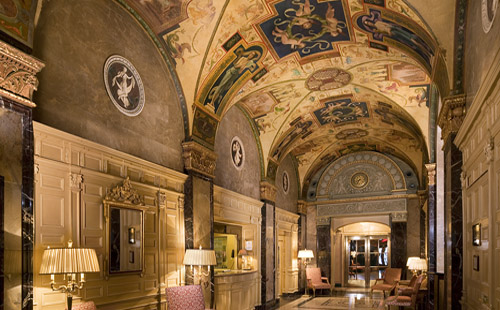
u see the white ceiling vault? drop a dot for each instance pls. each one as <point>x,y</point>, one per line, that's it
<point>317,78</point>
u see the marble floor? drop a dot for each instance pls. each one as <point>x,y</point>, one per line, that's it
<point>342,299</point>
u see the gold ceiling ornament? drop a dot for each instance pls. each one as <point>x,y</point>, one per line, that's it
<point>267,191</point>
<point>198,158</point>
<point>327,79</point>
<point>359,180</point>
<point>18,75</point>
<point>125,193</point>
<point>452,115</point>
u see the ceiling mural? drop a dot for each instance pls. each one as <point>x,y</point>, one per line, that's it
<point>318,78</point>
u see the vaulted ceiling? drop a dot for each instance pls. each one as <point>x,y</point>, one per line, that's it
<point>317,79</point>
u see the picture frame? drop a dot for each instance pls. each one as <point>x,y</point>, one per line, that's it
<point>476,234</point>
<point>475,262</point>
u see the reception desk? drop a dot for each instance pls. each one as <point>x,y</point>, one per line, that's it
<point>237,289</point>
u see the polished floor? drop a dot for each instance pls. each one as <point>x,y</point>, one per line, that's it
<point>344,299</point>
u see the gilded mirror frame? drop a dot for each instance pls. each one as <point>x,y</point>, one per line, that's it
<point>123,197</point>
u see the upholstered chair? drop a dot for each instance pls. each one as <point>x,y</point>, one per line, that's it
<point>189,297</point>
<point>316,282</point>
<point>404,300</point>
<point>88,305</point>
<point>391,278</point>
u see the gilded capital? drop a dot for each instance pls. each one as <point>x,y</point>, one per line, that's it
<point>301,207</point>
<point>431,173</point>
<point>198,158</point>
<point>452,115</point>
<point>267,191</point>
<point>18,75</point>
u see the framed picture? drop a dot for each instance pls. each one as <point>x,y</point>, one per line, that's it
<point>476,234</point>
<point>475,262</point>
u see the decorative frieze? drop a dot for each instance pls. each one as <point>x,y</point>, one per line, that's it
<point>452,115</point>
<point>267,191</point>
<point>18,74</point>
<point>125,193</point>
<point>198,158</point>
<point>302,207</point>
<point>431,173</point>
<point>360,207</point>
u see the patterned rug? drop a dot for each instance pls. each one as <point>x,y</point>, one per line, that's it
<point>342,303</point>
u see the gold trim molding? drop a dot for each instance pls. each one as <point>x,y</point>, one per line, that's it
<point>125,193</point>
<point>18,75</point>
<point>452,115</point>
<point>267,191</point>
<point>431,173</point>
<point>198,158</point>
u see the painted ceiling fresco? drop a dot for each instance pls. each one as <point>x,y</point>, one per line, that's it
<point>318,78</point>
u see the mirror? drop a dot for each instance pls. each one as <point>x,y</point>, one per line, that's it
<point>125,240</point>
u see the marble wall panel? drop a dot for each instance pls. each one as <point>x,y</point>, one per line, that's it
<point>287,199</point>
<point>324,249</point>
<point>311,232</point>
<point>398,245</point>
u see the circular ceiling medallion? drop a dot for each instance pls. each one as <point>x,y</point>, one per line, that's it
<point>488,12</point>
<point>359,180</point>
<point>286,182</point>
<point>326,79</point>
<point>237,153</point>
<point>124,85</point>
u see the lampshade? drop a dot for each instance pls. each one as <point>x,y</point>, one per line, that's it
<point>410,260</point>
<point>199,257</point>
<point>306,254</point>
<point>69,260</point>
<point>418,264</point>
<point>242,252</point>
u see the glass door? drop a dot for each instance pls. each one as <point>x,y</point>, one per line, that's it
<point>379,258</point>
<point>368,257</point>
<point>357,261</point>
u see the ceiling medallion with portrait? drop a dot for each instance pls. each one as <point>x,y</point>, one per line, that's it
<point>327,79</point>
<point>124,85</point>
<point>359,180</point>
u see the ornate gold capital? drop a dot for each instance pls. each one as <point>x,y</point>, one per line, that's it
<point>452,115</point>
<point>198,158</point>
<point>267,191</point>
<point>17,74</point>
<point>431,173</point>
<point>301,207</point>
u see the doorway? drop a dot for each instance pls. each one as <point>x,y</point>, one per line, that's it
<point>367,259</point>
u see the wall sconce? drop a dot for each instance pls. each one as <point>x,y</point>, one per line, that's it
<point>69,261</point>
<point>200,257</point>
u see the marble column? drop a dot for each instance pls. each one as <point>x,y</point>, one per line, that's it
<point>450,119</point>
<point>17,83</point>
<point>302,210</point>
<point>431,237</point>
<point>398,241</point>
<point>268,245</point>
<point>199,203</point>
<point>324,241</point>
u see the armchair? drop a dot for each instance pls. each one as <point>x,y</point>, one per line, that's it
<point>388,282</point>
<point>188,297</point>
<point>316,281</point>
<point>404,300</point>
<point>89,305</point>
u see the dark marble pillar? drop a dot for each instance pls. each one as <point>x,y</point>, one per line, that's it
<point>302,210</point>
<point>268,255</point>
<point>398,245</point>
<point>453,225</point>
<point>324,252</point>
<point>431,246</point>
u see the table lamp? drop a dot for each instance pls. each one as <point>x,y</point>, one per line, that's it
<point>200,257</point>
<point>416,264</point>
<point>69,261</point>
<point>306,255</point>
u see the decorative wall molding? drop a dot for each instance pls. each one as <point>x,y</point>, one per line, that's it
<point>199,158</point>
<point>399,216</point>
<point>267,191</point>
<point>301,207</point>
<point>365,207</point>
<point>125,193</point>
<point>286,216</point>
<point>488,150</point>
<point>431,173</point>
<point>233,206</point>
<point>18,74</point>
<point>422,197</point>
<point>76,181</point>
<point>452,115</point>
<point>321,221</point>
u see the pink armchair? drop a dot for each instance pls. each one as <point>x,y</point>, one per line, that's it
<point>388,282</point>
<point>316,281</point>
<point>89,305</point>
<point>188,297</point>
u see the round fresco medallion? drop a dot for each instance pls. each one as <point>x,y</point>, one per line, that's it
<point>326,79</point>
<point>286,182</point>
<point>124,85</point>
<point>359,180</point>
<point>488,12</point>
<point>237,153</point>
